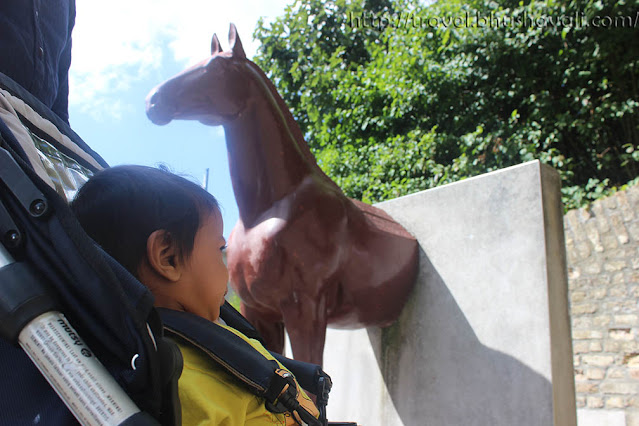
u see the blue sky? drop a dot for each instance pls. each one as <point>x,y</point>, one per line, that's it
<point>122,51</point>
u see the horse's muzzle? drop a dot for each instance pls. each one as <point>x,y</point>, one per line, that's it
<point>156,110</point>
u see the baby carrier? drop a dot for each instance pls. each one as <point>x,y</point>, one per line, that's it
<point>56,285</point>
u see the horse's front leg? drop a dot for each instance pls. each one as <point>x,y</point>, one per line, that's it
<point>271,329</point>
<point>305,322</point>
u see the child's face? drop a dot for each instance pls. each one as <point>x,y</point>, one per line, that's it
<point>204,274</point>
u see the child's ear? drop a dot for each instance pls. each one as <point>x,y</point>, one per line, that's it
<point>162,255</point>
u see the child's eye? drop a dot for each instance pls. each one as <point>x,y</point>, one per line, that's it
<point>223,248</point>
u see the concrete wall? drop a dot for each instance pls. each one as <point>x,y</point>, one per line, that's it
<point>602,244</point>
<point>485,337</point>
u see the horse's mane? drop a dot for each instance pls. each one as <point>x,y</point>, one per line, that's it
<point>291,124</point>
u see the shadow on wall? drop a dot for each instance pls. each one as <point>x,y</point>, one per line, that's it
<point>439,374</point>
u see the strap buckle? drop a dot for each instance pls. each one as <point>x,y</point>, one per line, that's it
<point>281,396</point>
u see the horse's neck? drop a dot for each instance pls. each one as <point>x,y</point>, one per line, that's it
<point>268,158</point>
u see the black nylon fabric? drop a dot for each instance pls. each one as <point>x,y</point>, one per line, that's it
<point>234,319</point>
<point>305,372</point>
<point>25,396</point>
<point>236,356</point>
<point>239,358</point>
<point>108,307</point>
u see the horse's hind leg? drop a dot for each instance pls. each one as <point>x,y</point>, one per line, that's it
<point>272,331</point>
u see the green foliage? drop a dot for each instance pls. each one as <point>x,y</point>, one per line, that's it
<point>396,97</point>
<point>234,299</point>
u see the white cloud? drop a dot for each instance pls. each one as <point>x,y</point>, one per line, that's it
<point>119,43</point>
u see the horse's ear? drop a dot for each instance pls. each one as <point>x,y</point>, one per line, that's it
<point>235,43</point>
<point>215,45</point>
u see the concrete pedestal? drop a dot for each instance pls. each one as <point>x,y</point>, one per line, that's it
<point>485,338</point>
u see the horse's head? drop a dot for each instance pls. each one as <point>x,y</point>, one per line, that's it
<point>212,91</point>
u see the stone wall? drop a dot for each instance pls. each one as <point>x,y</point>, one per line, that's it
<point>602,244</point>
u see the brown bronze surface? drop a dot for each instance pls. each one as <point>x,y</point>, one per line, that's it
<point>302,254</point>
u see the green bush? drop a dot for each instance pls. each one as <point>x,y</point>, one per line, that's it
<point>395,97</point>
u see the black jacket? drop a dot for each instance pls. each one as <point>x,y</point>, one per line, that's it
<point>35,48</point>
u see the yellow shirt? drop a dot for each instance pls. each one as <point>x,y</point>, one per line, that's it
<point>211,396</point>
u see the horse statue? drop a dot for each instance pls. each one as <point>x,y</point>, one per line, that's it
<point>302,255</point>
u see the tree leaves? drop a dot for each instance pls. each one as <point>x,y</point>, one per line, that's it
<point>396,108</point>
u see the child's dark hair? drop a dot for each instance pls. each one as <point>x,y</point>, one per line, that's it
<point>121,206</point>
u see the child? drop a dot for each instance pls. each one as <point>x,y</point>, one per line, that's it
<point>167,232</point>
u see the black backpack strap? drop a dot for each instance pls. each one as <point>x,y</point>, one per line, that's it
<point>311,377</point>
<point>236,320</point>
<point>259,375</point>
